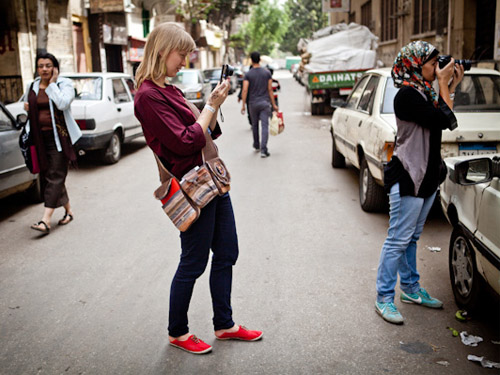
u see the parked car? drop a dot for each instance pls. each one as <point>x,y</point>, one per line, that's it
<point>470,197</point>
<point>364,128</point>
<point>104,110</point>
<point>239,76</point>
<point>213,75</point>
<point>194,85</point>
<point>14,175</point>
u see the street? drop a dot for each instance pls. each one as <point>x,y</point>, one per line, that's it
<point>92,297</point>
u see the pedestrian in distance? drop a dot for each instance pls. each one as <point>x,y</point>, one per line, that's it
<point>257,86</point>
<point>53,132</point>
<point>415,170</point>
<point>177,137</point>
<point>275,85</point>
<point>239,100</point>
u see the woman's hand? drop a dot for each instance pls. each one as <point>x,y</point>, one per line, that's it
<point>458,75</point>
<point>26,106</point>
<point>55,74</point>
<point>444,75</point>
<point>219,94</point>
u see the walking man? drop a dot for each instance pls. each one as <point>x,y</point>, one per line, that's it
<point>257,86</point>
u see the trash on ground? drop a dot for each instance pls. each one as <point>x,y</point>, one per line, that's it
<point>433,249</point>
<point>454,332</point>
<point>470,340</point>
<point>462,316</point>
<point>443,363</point>
<point>495,342</point>
<point>483,361</point>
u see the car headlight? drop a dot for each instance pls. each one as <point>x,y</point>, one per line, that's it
<point>193,95</point>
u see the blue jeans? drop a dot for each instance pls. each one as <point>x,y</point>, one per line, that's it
<point>215,229</point>
<point>260,111</point>
<point>399,253</point>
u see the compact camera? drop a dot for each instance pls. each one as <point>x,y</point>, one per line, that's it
<point>445,59</point>
<point>227,70</point>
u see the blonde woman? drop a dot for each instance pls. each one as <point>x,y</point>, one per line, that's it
<point>177,136</point>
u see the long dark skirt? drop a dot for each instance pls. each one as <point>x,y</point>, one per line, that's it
<point>53,178</point>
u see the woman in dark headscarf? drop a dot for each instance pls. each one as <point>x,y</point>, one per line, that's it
<point>415,170</point>
<point>54,131</point>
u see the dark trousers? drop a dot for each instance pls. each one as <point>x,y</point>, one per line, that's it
<point>215,229</point>
<point>260,111</point>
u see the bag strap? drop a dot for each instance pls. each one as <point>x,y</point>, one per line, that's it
<point>165,174</point>
<point>208,152</point>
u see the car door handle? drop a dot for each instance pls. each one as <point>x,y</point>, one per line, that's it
<point>360,123</point>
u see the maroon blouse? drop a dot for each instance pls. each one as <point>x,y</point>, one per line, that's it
<point>170,127</point>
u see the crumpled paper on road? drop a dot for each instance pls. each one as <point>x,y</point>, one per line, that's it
<point>483,361</point>
<point>470,340</point>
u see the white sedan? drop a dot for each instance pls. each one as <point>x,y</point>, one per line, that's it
<point>470,197</point>
<point>364,128</point>
<point>104,110</point>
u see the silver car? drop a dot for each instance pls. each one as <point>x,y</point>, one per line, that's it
<point>470,197</point>
<point>14,176</point>
<point>194,85</point>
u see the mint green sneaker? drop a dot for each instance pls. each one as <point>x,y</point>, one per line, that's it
<point>389,311</point>
<point>421,298</point>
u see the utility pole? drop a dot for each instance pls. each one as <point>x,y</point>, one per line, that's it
<point>42,26</point>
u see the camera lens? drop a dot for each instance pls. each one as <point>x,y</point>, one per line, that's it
<point>467,64</point>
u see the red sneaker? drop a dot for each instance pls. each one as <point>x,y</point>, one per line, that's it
<point>192,345</point>
<point>242,334</point>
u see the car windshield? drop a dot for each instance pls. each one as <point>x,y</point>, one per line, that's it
<point>476,93</point>
<point>87,88</point>
<point>213,74</point>
<point>185,78</point>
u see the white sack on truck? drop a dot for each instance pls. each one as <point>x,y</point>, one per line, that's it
<point>352,47</point>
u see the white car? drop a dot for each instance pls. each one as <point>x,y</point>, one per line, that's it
<point>103,109</point>
<point>364,128</point>
<point>470,197</point>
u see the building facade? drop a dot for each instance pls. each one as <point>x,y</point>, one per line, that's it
<point>465,29</point>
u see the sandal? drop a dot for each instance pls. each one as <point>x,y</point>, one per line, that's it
<point>67,218</point>
<point>38,227</point>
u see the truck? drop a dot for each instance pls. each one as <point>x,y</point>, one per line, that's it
<point>333,62</point>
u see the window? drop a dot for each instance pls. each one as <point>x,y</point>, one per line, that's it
<point>478,93</point>
<point>5,121</point>
<point>389,94</point>
<point>356,93</point>
<point>389,20</point>
<point>366,14</point>
<point>424,15</point>
<point>366,101</point>
<point>119,91</point>
<point>87,88</point>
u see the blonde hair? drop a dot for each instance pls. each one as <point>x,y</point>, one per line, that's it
<point>164,39</point>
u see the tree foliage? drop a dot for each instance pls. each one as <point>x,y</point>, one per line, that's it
<point>265,29</point>
<point>306,17</point>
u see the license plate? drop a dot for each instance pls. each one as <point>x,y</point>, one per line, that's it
<point>465,149</point>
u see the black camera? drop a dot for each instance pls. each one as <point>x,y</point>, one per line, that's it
<point>445,59</point>
<point>227,70</point>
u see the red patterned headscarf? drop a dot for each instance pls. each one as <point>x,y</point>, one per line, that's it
<point>407,68</point>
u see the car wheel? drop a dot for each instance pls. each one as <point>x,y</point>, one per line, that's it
<point>465,279</point>
<point>371,195</point>
<point>34,192</point>
<point>338,160</point>
<point>113,152</point>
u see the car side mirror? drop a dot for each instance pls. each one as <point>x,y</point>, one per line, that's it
<point>21,120</point>
<point>474,171</point>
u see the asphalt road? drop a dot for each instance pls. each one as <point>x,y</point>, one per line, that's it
<point>92,297</point>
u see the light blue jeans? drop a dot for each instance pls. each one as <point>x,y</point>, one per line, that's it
<point>399,253</point>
